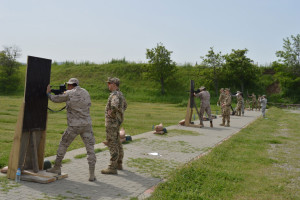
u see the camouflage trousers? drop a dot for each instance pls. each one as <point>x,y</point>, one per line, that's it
<point>114,145</point>
<point>226,114</point>
<point>254,105</point>
<point>207,110</point>
<point>263,110</point>
<point>238,109</point>
<point>87,136</point>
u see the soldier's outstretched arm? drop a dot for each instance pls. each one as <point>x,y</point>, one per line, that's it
<point>57,98</point>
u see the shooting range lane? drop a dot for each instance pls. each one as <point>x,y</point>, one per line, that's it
<point>131,182</point>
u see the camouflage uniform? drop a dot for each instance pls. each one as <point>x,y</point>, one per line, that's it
<point>258,102</point>
<point>238,109</point>
<point>263,103</point>
<point>116,104</point>
<point>205,105</point>
<point>253,101</point>
<point>221,100</point>
<point>226,110</point>
<point>243,107</point>
<point>78,104</point>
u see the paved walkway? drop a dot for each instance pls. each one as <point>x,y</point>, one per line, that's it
<point>174,149</point>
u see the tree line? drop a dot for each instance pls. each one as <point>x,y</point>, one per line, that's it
<point>280,79</point>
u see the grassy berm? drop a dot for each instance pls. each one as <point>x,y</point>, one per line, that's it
<point>260,162</point>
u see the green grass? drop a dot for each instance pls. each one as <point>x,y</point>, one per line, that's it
<point>260,162</point>
<point>156,167</point>
<point>174,146</point>
<point>6,184</point>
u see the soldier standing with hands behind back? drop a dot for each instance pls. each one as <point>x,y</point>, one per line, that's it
<point>114,116</point>
<point>221,99</point>
<point>226,105</point>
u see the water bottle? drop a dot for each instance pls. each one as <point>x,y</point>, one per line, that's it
<point>18,175</point>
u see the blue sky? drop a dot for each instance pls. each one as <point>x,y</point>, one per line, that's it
<point>99,30</point>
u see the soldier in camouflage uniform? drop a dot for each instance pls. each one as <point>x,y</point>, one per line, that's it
<point>221,99</point>
<point>253,101</point>
<point>226,108</point>
<point>239,100</point>
<point>205,105</point>
<point>78,104</point>
<point>258,102</point>
<point>114,116</point>
<point>263,103</point>
<point>243,104</point>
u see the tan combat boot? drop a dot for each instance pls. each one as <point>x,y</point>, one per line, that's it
<point>92,173</point>
<point>228,124</point>
<point>211,124</point>
<point>56,170</point>
<point>109,170</point>
<point>201,124</point>
<point>223,123</point>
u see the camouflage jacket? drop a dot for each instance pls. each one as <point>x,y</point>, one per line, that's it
<point>227,100</point>
<point>253,98</point>
<point>263,102</point>
<point>78,103</point>
<point>239,99</point>
<point>221,98</point>
<point>204,98</point>
<point>116,104</point>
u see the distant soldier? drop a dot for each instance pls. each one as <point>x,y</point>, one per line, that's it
<point>239,100</point>
<point>226,105</point>
<point>78,104</point>
<point>205,105</point>
<point>263,103</point>
<point>253,97</point>
<point>243,104</point>
<point>221,98</point>
<point>114,116</point>
<point>258,102</point>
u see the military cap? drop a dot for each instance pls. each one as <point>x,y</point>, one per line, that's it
<point>238,92</point>
<point>202,88</point>
<point>228,89</point>
<point>264,95</point>
<point>113,80</point>
<point>72,81</point>
<point>222,89</point>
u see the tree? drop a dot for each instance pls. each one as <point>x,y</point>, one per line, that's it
<point>290,55</point>
<point>214,60</point>
<point>240,70</point>
<point>9,79</point>
<point>288,73</point>
<point>161,66</point>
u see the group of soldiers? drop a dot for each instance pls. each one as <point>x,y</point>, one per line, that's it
<point>78,104</point>
<point>225,100</point>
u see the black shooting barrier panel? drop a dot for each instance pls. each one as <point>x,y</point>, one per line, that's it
<point>36,101</point>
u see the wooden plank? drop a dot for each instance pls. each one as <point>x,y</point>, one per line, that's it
<point>38,179</point>
<point>23,149</point>
<point>14,154</point>
<point>45,174</point>
<point>35,164</point>
<point>188,115</point>
<point>41,149</point>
